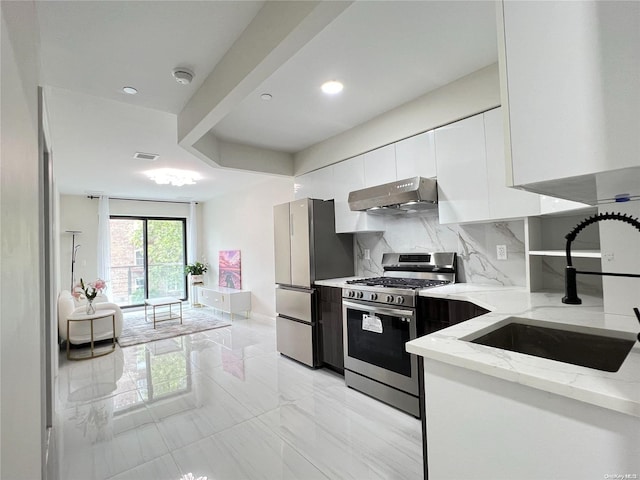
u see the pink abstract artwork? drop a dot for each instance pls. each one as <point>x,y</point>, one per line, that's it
<point>229,269</point>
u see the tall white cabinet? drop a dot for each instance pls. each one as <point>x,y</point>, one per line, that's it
<point>569,79</point>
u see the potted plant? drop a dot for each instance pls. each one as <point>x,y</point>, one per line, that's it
<point>196,271</point>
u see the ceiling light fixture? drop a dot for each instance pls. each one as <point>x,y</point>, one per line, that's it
<point>266,97</point>
<point>332,87</point>
<point>129,90</point>
<point>182,75</point>
<point>173,176</point>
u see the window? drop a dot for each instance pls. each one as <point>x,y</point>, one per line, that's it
<point>139,257</point>
<point>148,257</point>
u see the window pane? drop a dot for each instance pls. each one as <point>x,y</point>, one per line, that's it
<point>127,261</point>
<point>166,255</point>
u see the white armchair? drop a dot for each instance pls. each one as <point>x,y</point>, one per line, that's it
<point>80,332</point>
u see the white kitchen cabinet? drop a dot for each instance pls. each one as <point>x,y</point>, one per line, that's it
<point>504,202</point>
<point>349,176</point>
<point>228,300</point>
<point>504,421</point>
<point>316,184</point>
<point>551,205</point>
<point>463,190</point>
<point>416,156</point>
<point>380,166</point>
<point>472,177</point>
<point>569,79</point>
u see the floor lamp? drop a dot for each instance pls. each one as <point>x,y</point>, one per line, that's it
<point>74,251</point>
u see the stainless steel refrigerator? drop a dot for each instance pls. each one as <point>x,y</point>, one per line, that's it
<point>307,249</point>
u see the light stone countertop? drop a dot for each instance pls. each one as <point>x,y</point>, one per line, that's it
<point>335,282</point>
<point>618,391</point>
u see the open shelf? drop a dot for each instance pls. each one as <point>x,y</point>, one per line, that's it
<point>562,253</point>
<point>545,242</point>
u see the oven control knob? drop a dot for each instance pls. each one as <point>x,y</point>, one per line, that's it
<point>389,298</point>
<point>399,300</point>
<point>374,296</point>
<point>351,293</point>
<point>359,295</point>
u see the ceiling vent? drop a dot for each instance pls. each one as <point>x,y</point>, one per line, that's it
<point>146,156</point>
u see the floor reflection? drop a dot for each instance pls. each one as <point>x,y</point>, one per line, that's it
<point>223,404</point>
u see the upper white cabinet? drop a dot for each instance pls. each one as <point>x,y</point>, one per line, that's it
<point>316,184</point>
<point>551,205</point>
<point>349,176</point>
<point>380,166</point>
<point>503,202</point>
<point>569,78</point>
<point>463,191</point>
<point>471,173</point>
<point>416,156</point>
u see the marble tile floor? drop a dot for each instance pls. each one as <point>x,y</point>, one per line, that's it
<point>224,404</point>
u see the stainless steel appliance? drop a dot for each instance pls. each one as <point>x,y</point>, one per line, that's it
<point>400,197</point>
<point>380,315</point>
<point>306,249</point>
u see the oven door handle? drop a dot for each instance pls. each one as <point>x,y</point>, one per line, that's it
<point>385,311</point>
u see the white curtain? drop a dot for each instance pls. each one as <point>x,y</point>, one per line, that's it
<point>104,241</point>
<point>192,245</point>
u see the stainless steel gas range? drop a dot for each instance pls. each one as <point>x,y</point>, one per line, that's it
<point>380,316</point>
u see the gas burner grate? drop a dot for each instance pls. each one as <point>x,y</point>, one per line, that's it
<point>394,282</point>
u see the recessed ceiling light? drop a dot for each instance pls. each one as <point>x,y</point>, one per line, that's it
<point>129,90</point>
<point>266,96</point>
<point>332,87</point>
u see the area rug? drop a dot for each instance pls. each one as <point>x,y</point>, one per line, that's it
<point>136,330</point>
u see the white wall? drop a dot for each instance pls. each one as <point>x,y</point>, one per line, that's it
<point>21,393</point>
<point>244,221</point>
<point>81,213</point>
<point>469,95</point>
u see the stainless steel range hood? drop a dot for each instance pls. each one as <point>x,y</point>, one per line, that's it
<point>401,197</point>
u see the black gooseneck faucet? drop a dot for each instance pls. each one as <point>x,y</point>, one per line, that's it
<point>570,288</point>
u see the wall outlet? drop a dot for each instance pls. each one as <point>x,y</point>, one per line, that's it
<point>367,254</point>
<point>501,252</point>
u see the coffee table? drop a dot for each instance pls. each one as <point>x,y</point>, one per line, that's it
<point>163,315</point>
<point>83,317</point>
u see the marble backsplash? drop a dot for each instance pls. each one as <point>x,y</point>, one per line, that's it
<point>474,243</point>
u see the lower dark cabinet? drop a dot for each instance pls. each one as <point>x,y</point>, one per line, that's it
<point>330,328</point>
<point>438,313</point>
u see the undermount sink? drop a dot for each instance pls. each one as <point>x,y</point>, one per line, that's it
<point>592,350</point>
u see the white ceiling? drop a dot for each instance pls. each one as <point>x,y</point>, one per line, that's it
<point>98,138</point>
<point>98,47</point>
<point>386,53</point>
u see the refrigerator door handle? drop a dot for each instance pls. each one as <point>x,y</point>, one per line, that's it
<point>291,224</point>
<point>297,289</point>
